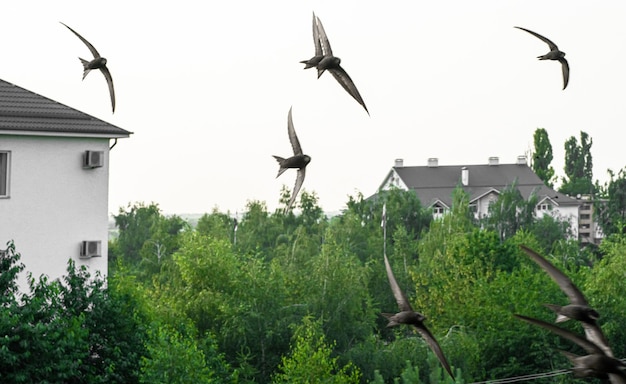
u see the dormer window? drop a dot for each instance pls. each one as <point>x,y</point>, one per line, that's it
<point>545,207</point>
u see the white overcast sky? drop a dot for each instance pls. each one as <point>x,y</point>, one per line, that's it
<point>206,86</point>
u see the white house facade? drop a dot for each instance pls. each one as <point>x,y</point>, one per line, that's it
<point>54,179</point>
<point>434,185</point>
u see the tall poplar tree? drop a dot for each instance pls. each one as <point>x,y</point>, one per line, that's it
<point>542,157</point>
<point>578,166</point>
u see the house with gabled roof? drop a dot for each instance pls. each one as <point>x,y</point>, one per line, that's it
<point>434,184</point>
<point>54,180</point>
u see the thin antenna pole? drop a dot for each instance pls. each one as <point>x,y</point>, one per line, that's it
<point>383,224</point>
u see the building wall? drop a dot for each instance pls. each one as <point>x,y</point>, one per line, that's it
<point>565,213</point>
<point>482,205</point>
<point>54,204</point>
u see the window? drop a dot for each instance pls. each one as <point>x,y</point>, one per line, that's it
<point>4,174</point>
<point>438,210</point>
<point>545,207</point>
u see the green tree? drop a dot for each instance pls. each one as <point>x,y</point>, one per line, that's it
<point>610,204</point>
<point>311,361</point>
<point>135,225</point>
<point>69,330</point>
<point>606,292</point>
<point>511,212</point>
<point>578,166</point>
<point>146,238</point>
<point>218,225</point>
<point>542,157</point>
<point>174,359</point>
<point>9,269</point>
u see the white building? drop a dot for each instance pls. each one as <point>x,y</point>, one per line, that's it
<point>54,180</point>
<point>434,185</point>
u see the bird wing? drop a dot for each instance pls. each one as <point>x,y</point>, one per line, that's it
<point>316,38</point>
<point>584,343</point>
<point>403,303</point>
<point>434,345</point>
<point>552,46</point>
<point>346,82</point>
<point>573,293</point>
<point>565,67</point>
<point>594,334</point>
<point>296,188</point>
<point>107,76</point>
<point>592,331</point>
<point>293,138</point>
<point>88,44</point>
<point>616,378</point>
<point>323,39</point>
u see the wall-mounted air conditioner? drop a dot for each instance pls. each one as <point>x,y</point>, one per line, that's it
<point>90,249</point>
<point>93,159</point>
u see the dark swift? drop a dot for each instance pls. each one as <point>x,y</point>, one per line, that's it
<point>298,160</point>
<point>554,54</point>
<point>595,364</point>
<point>578,309</point>
<point>409,317</point>
<point>98,62</point>
<point>324,60</point>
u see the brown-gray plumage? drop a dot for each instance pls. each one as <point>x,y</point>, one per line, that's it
<point>324,60</point>
<point>298,160</point>
<point>98,62</point>
<point>578,309</point>
<point>409,317</point>
<point>554,54</point>
<point>596,364</point>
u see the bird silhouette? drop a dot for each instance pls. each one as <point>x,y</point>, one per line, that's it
<point>98,62</point>
<point>554,54</point>
<point>578,309</point>
<point>324,60</point>
<point>298,160</point>
<point>596,364</point>
<point>409,317</point>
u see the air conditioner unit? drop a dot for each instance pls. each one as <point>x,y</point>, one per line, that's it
<point>90,249</point>
<point>93,159</point>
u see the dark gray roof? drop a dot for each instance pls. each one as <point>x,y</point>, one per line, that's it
<point>23,110</point>
<point>438,182</point>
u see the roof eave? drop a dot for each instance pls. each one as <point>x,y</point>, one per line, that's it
<point>65,134</point>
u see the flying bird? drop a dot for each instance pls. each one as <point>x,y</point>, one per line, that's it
<point>409,317</point>
<point>324,60</point>
<point>578,309</point>
<point>554,54</point>
<point>596,364</point>
<point>298,160</point>
<point>98,62</point>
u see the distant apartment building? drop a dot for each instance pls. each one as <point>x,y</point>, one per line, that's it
<point>434,184</point>
<point>54,182</point>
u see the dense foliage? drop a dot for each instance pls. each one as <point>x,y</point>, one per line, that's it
<point>542,157</point>
<point>578,166</point>
<point>280,297</point>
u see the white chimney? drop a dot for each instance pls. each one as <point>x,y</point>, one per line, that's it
<point>465,176</point>
<point>521,160</point>
<point>494,160</point>
<point>433,162</point>
<point>399,163</point>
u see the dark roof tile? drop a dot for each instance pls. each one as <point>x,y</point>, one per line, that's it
<point>438,182</point>
<point>23,110</point>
